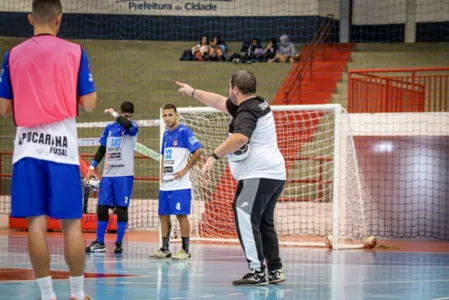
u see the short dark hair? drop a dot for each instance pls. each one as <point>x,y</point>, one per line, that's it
<point>245,81</point>
<point>170,106</point>
<point>45,11</point>
<point>127,107</point>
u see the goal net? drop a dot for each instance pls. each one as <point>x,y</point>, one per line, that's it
<point>322,196</point>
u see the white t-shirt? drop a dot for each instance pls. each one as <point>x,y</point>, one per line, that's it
<point>254,119</point>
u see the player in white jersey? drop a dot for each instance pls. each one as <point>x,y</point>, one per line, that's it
<point>258,166</point>
<point>117,143</point>
<point>180,151</point>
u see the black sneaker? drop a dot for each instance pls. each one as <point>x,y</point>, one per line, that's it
<point>96,247</point>
<point>276,276</point>
<point>252,278</point>
<point>118,247</point>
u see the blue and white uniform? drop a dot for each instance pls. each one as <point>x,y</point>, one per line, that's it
<point>46,175</point>
<point>118,173</point>
<point>175,196</point>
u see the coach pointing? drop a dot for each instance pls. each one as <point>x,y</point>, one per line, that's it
<point>258,166</point>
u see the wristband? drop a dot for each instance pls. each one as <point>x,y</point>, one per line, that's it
<point>115,115</point>
<point>215,156</point>
<point>193,93</point>
<point>93,165</point>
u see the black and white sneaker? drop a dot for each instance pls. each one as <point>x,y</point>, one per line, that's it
<point>252,278</point>
<point>118,247</point>
<point>276,276</point>
<point>96,247</point>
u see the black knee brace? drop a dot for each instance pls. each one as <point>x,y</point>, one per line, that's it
<point>122,213</point>
<point>103,213</point>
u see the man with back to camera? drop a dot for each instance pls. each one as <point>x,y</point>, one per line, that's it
<point>258,166</point>
<point>44,79</point>
<point>117,143</point>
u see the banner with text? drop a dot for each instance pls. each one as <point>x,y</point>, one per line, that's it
<point>180,7</point>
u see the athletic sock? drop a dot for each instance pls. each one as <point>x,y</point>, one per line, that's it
<point>121,228</point>
<point>101,231</point>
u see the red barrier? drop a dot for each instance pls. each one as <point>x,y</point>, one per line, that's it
<point>398,90</point>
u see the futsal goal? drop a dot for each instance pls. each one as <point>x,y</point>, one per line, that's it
<point>322,196</point>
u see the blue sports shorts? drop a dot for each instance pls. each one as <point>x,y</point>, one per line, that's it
<point>41,187</point>
<point>115,191</point>
<point>175,202</point>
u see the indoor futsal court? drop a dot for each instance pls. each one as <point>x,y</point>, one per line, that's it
<point>421,272</point>
<point>359,91</point>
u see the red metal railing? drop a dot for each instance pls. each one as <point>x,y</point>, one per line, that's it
<point>306,58</point>
<point>398,90</point>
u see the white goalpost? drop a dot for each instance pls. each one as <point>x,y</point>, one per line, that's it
<point>322,199</point>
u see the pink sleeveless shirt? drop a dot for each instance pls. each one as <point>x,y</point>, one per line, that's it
<point>44,74</point>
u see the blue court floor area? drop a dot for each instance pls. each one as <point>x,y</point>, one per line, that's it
<point>311,274</point>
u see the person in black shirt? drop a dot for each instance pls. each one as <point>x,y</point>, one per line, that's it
<point>258,166</point>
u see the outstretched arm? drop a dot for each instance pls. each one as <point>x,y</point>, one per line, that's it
<point>210,99</point>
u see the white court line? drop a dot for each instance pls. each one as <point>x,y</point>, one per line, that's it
<point>85,279</point>
<point>444,298</point>
<point>207,296</point>
<point>180,283</point>
<point>378,282</point>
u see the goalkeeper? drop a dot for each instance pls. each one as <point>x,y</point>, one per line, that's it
<point>117,142</point>
<point>258,166</point>
<point>175,193</point>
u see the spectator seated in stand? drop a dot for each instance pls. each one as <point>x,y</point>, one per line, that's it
<point>198,52</point>
<point>286,51</point>
<point>217,49</point>
<point>271,50</point>
<point>254,53</point>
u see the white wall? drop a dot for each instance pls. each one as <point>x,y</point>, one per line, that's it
<point>403,162</point>
<point>395,11</point>
<point>397,124</point>
<point>432,10</point>
<point>326,7</point>
<point>378,12</point>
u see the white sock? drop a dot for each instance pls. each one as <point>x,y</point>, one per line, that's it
<point>46,287</point>
<point>77,287</point>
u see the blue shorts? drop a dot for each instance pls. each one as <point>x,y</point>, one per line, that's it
<point>41,187</point>
<point>115,191</point>
<point>175,202</point>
